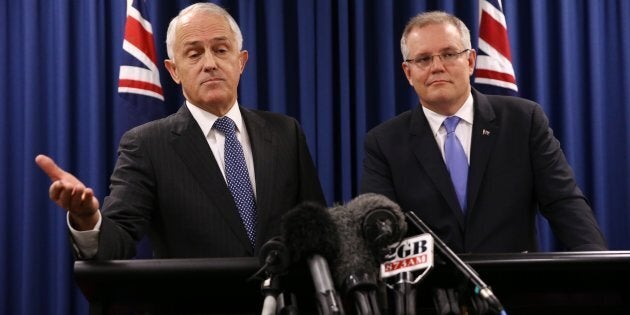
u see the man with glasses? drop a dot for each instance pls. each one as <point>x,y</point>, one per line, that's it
<point>474,167</point>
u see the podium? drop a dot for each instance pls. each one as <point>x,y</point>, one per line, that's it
<point>525,283</point>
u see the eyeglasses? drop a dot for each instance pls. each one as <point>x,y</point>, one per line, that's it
<point>446,58</point>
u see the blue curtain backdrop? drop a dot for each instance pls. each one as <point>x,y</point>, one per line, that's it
<point>334,65</point>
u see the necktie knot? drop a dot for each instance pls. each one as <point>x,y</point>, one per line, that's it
<point>450,123</point>
<point>225,125</point>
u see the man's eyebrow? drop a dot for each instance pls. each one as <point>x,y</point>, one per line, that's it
<point>197,42</point>
<point>221,39</point>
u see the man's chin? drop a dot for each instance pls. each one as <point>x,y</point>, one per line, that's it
<point>438,96</point>
<point>215,96</point>
<point>218,102</point>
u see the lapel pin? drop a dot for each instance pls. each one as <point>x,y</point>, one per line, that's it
<point>485,132</point>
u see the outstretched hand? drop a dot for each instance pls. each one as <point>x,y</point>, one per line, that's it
<point>70,194</point>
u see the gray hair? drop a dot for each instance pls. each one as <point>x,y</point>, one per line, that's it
<point>430,18</point>
<point>201,7</point>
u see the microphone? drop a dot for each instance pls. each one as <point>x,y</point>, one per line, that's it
<point>274,256</point>
<point>383,223</point>
<point>275,259</point>
<point>383,226</point>
<point>481,289</point>
<point>310,234</point>
<point>355,269</point>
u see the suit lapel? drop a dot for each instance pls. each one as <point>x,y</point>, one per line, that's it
<point>264,153</point>
<point>484,137</point>
<point>425,149</point>
<point>191,146</point>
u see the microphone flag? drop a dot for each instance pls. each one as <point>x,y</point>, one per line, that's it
<point>401,270</point>
<point>494,73</point>
<point>412,254</point>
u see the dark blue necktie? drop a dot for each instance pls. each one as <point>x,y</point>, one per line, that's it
<point>456,161</point>
<point>238,177</point>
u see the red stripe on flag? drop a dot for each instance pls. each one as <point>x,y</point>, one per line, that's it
<point>494,34</point>
<point>140,85</point>
<point>139,37</point>
<point>483,73</point>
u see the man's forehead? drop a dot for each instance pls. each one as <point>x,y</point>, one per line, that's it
<point>204,28</point>
<point>202,15</point>
<point>433,29</point>
<point>432,38</point>
<point>204,22</point>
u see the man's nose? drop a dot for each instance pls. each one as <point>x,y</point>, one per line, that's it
<point>209,61</point>
<point>436,63</point>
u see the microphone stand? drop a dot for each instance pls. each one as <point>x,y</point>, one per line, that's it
<point>275,260</point>
<point>270,290</point>
<point>329,302</point>
<point>277,302</point>
<point>481,289</point>
<point>287,304</point>
<point>362,288</point>
<point>405,295</point>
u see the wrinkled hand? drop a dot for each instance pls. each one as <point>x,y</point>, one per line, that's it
<point>70,194</point>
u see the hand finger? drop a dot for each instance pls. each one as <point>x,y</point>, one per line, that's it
<point>90,200</point>
<point>59,192</point>
<point>82,201</point>
<point>62,193</point>
<point>49,167</point>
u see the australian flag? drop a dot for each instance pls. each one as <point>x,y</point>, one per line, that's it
<point>494,73</point>
<point>139,79</point>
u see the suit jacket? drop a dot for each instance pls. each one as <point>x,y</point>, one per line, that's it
<point>167,184</point>
<point>516,167</point>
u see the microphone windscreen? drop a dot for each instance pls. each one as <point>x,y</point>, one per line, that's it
<point>355,258</point>
<point>308,230</point>
<point>275,255</point>
<point>383,221</point>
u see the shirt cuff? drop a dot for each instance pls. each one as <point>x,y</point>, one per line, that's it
<point>85,243</point>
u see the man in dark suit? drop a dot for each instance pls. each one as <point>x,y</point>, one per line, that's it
<point>513,165</point>
<point>172,179</point>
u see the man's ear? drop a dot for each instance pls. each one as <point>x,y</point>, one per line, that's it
<point>172,69</point>
<point>407,72</point>
<point>242,57</point>
<point>472,58</point>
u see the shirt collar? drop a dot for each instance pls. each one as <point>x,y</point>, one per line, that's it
<point>206,119</point>
<point>466,113</point>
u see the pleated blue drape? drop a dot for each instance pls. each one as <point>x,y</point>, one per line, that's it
<point>335,65</point>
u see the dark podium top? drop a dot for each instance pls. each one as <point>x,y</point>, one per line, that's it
<point>525,283</point>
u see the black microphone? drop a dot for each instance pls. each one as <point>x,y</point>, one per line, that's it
<point>275,256</point>
<point>311,234</point>
<point>481,289</point>
<point>355,269</point>
<point>275,260</point>
<point>383,224</point>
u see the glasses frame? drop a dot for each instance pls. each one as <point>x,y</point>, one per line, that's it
<point>445,58</point>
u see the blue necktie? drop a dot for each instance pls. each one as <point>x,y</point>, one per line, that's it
<point>456,161</point>
<point>238,177</point>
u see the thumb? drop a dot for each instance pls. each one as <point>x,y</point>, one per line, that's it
<point>49,167</point>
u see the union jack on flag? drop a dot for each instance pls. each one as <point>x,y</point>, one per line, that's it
<point>494,71</point>
<point>139,75</point>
